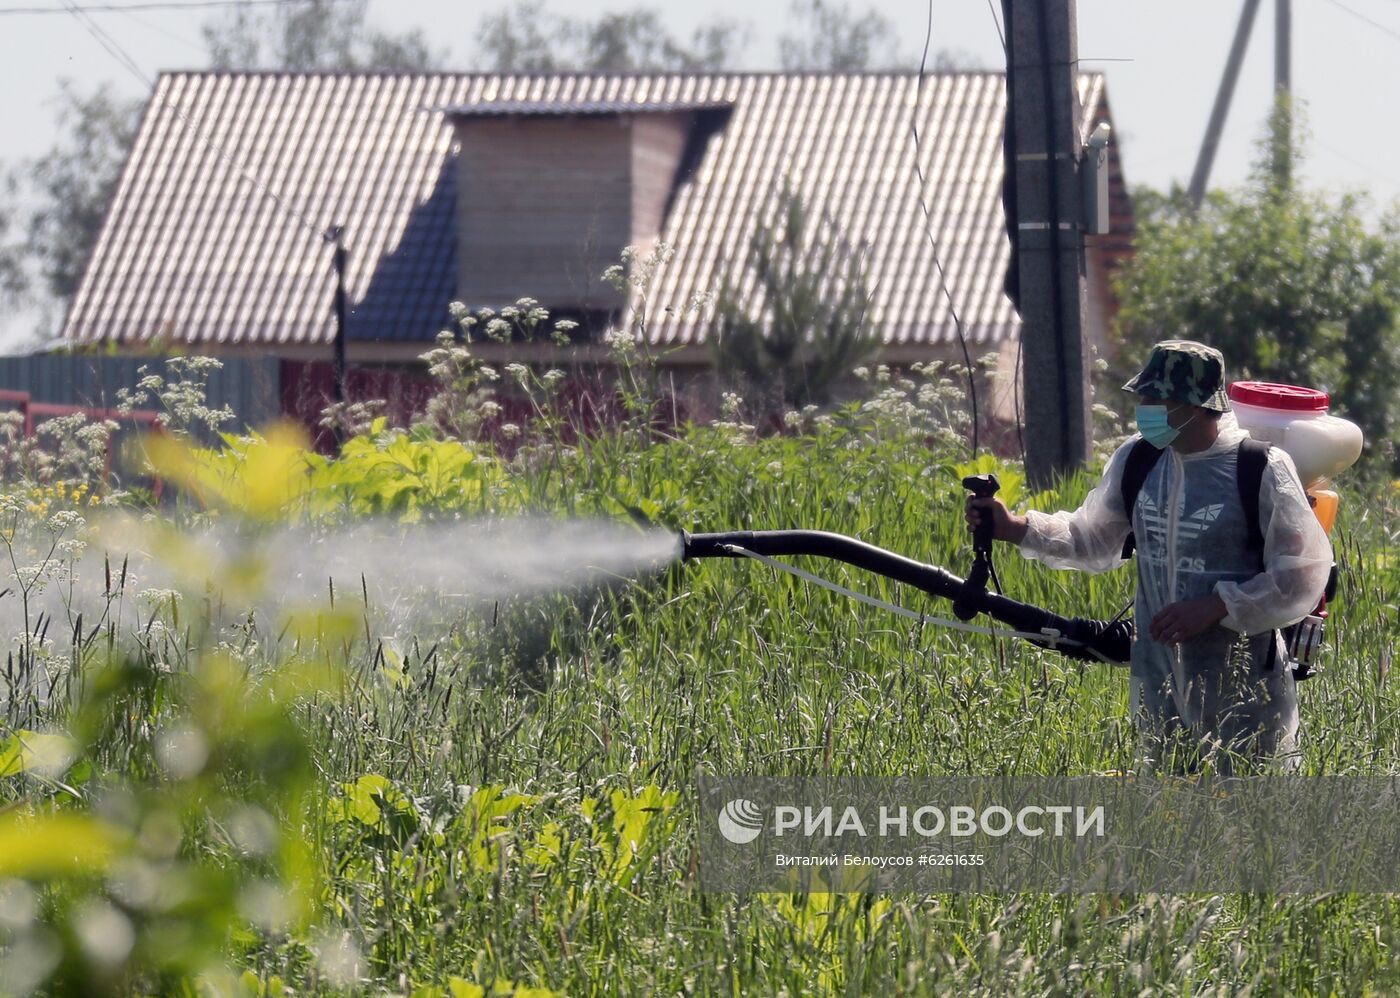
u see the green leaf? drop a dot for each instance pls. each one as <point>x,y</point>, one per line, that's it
<point>33,752</point>
<point>374,801</point>
<point>56,845</point>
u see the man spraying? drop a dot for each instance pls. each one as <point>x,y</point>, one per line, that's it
<point>1209,675</point>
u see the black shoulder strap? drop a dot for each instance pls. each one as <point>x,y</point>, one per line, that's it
<point>1141,459</point>
<point>1251,461</point>
<point>1249,474</point>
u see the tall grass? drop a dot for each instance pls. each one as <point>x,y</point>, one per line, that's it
<point>597,710</point>
<point>506,800</point>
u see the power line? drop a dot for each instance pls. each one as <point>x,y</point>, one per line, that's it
<point>109,44</point>
<point>1020,339</point>
<point>1385,29</point>
<point>1367,167</point>
<point>1016,364</point>
<point>151,26</point>
<point>112,8</point>
<point>1001,35</point>
<point>933,242</point>
<point>117,52</point>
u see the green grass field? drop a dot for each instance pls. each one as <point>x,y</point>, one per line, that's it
<point>503,799</point>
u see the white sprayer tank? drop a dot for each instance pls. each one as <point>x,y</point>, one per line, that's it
<point>1296,419</point>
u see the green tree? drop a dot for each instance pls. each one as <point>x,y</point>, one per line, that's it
<point>528,38</point>
<point>319,35</point>
<point>638,41</point>
<point>72,184</point>
<point>14,282</point>
<point>523,38</point>
<point>828,35</point>
<point>795,319</point>
<point>1291,285</point>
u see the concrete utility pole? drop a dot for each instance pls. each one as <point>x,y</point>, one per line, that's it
<point>1044,119</point>
<point>1201,175</point>
<point>336,236</point>
<point>1283,86</point>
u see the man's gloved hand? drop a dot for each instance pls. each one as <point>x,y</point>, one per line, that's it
<point>1187,619</point>
<point>1006,525</point>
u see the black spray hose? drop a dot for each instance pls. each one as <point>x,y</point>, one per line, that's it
<point>1092,639</point>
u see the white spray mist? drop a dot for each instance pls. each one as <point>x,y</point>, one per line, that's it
<point>411,573</point>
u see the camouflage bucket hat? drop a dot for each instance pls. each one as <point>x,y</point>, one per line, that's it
<point>1185,371</point>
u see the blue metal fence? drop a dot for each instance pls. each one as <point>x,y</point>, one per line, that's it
<point>251,387</point>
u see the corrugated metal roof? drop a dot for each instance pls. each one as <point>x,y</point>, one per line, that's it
<point>215,232</point>
<point>505,108</point>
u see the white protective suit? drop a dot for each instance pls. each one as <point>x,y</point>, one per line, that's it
<point>1191,541</point>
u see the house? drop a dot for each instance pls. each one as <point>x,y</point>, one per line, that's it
<point>485,188</point>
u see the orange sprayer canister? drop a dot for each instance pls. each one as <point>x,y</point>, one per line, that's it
<point>1324,504</point>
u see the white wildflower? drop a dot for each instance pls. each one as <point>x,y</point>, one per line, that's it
<point>65,519</point>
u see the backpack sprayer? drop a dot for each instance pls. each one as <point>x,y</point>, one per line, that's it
<point>1321,446</point>
<point>1293,418</point>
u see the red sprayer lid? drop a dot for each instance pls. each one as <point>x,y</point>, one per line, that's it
<point>1270,396</point>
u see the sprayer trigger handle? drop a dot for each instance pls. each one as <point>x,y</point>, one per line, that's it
<point>982,486</point>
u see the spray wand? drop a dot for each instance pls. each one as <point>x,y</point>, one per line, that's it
<point>1076,637</point>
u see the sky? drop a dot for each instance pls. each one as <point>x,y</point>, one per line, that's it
<point>1163,60</point>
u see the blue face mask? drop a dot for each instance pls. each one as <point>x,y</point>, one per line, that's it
<point>1152,424</point>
